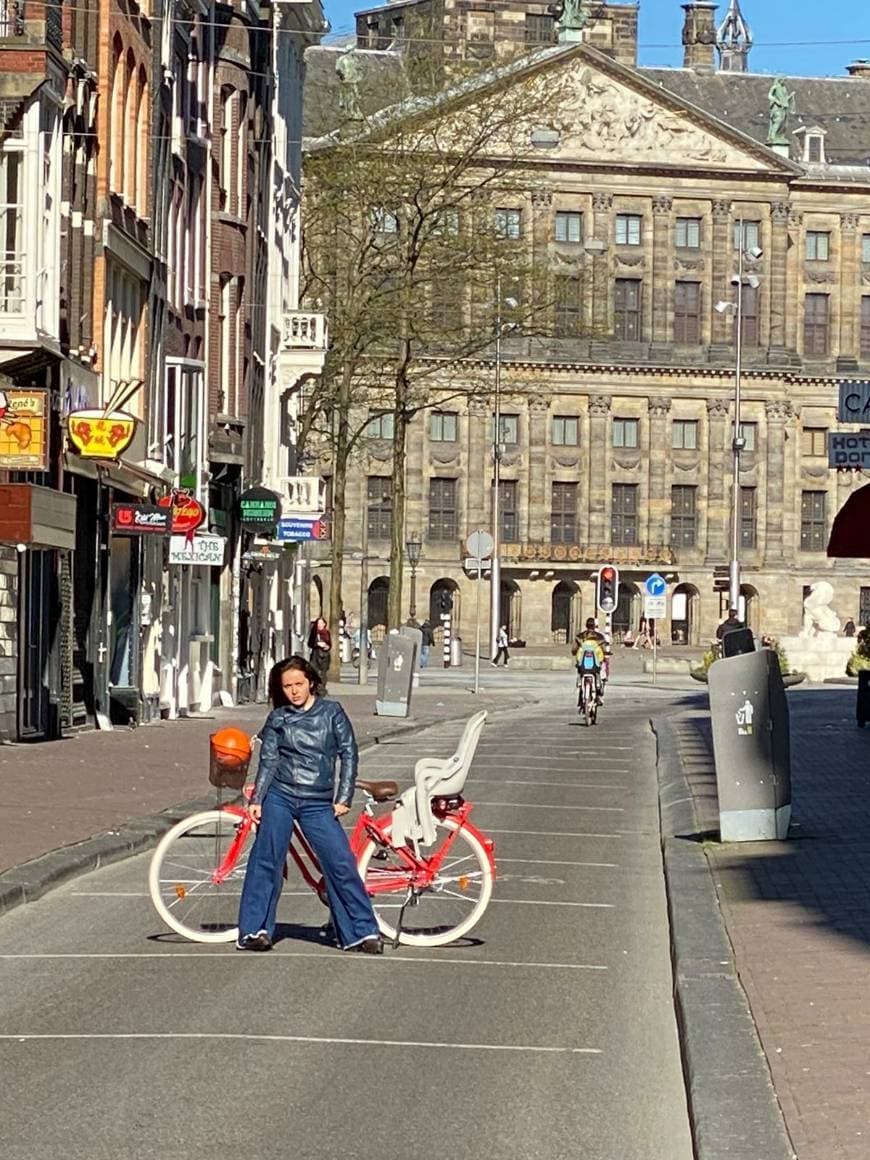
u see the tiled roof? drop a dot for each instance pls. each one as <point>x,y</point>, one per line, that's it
<point>840,105</point>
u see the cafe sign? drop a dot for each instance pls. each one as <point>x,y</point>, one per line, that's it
<point>97,434</point>
<point>259,510</point>
<point>187,512</point>
<point>207,550</point>
<point>139,519</point>
<point>23,430</point>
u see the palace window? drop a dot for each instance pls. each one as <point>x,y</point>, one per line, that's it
<point>442,509</point>
<point>865,248</point>
<point>813,521</point>
<point>508,223</point>
<point>749,310</point>
<point>442,426</point>
<point>508,430</point>
<point>623,514</point>
<point>508,517</point>
<point>865,326</point>
<point>748,433</point>
<point>687,313</point>
<point>379,511</point>
<point>629,229</point>
<point>627,319</point>
<point>569,307</point>
<point>566,430</point>
<point>687,233</point>
<point>748,518</point>
<point>563,513</point>
<point>625,432</point>
<point>814,442</point>
<point>568,226</point>
<point>749,239</point>
<point>816,327</point>
<point>684,516</point>
<point>684,434</point>
<point>381,425</point>
<point>540,28</point>
<point>818,246</point>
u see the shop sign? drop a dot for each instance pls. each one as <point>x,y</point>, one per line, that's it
<point>205,550</point>
<point>98,435</point>
<point>294,531</point>
<point>187,512</point>
<point>259,510</point>
<point>23,430</point>
<point>139,519</point>
<point>629,555</point>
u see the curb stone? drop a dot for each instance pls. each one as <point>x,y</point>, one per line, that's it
<point>31,880</point>
<point>733,1107</point>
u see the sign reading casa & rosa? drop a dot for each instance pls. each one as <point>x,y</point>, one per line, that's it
<point>187,512</point>
<point>139,519</point>
<point>97,435</point>
<point>259,510</point>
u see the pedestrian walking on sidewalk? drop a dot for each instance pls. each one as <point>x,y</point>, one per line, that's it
<point>320,644</point>
<point>501,646</point>
<point>427,642</point>
<point>303,738</point>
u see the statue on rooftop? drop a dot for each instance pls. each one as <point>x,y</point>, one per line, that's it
<point>570,19</point>
<point>349,72</point>
<point>781,103</point>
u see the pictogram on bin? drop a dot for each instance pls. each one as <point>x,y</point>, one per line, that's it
<point>229,758</point>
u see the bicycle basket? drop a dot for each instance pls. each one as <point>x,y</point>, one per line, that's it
<point>229,758</point>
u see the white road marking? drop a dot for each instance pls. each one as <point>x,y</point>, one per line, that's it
<point>543,806</point>
<point>555,784</point>
<point>549,834</point>
<point>539,902</point>
<point>313,1039</point>
<point>325,955</point>
<point>554,862</point>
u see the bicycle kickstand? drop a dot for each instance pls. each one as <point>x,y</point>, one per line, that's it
<point>398,936</point>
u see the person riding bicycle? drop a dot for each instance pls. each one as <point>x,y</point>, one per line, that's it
<point>589,651</point>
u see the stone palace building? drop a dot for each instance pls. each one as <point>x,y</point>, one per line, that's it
<point>616,435</point>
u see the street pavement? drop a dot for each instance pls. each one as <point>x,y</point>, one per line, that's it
<point>797,915</point>
<point>548,1032</point>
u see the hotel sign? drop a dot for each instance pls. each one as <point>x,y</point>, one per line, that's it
<point>638,554</point>
<point>23,430</point>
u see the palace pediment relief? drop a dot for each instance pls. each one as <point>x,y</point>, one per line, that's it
<point>685,463</point>
<point>815,472</point>
<point>627,460</point>
<point>565,460</point>
<point>510,458</point>
<point>380,454</point>
<point>444,454</point>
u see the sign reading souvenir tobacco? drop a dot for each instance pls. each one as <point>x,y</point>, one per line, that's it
<point>23,430</point>
<point>140,519</point>
<point>96,434</point>
<point>259,510</point>
<point>187,512</point>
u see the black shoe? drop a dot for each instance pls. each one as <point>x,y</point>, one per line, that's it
<point>254,942</point>
<point>369,946</point>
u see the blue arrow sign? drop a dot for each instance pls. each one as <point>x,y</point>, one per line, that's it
<point>655,585</point>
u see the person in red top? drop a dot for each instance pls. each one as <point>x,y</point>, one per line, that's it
<point>320,644</point>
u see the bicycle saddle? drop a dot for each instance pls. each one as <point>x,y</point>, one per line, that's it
<point>381,791</point>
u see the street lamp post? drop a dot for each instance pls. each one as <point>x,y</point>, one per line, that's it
<point>495,570</point>
<point>413,546</point>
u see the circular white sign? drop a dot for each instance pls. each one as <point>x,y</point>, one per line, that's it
<point>480,544</point>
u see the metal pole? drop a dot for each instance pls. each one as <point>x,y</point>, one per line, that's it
<point>363,668</point>
<point>655,649</point>
<point>734,570</point>
<point>412,611</point>
<point>477,627</point>
<point>495,572</point>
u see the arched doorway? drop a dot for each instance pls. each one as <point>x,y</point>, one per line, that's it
<point>626,615</point>
<point>685,615</point>
<point>750,607</point>
<point>377,617</point>
<point>565,612</point>
<point>451,588</point>
<point>315,598</point>
<point>511,608</point>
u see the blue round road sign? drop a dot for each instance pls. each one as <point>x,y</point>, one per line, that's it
<point>655,585</point>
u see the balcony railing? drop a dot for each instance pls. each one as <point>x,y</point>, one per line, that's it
<point>11,286</point>
<point>305,330</point>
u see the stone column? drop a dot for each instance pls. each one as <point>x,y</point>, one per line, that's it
<point>602,231</point>
<point>718,470</point>
<point>478,477</point>
<point>537,529</point>
<point>778,289</point>
<point>722,333</point>
<point>599,447</point>
<point>792,266</point>
<point>661,264</point>
<point>850,296</point>
<point>778,412</point>
<point>659,500</point>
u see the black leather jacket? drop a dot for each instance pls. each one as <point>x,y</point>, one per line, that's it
<point>299,750</point>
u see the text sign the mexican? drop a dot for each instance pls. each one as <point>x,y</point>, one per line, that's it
<point>206,551</point>
<point>854,404</point>
<point>848,450</point>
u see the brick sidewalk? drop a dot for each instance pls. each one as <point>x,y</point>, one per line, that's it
<point>54,794</point>
<point>798,916</point>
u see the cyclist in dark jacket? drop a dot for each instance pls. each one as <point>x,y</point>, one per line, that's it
<point>302,739</point>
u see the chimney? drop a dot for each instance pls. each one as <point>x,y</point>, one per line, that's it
<point>699,35</point>
<point>859,68</point>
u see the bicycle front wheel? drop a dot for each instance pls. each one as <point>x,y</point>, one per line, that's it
<point>441,912</point>
<point>196,875</point>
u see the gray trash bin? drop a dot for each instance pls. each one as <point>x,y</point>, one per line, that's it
<point>456,652</point>
<point>397,662</point>
<point>751,745</point>
<point>346,650</point>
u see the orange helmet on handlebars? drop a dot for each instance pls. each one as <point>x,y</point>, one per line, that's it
<point>230,747</point>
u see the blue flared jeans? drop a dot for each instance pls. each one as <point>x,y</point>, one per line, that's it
<point>351,907</point>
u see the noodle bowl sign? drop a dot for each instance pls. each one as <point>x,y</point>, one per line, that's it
<point>98,435</point>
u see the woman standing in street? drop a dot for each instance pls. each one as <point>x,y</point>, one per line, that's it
<point>320,644</point>
<point>302,739</point>
<point>501,644</point>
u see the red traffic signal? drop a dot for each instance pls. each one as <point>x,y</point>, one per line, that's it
<point>607,594</point>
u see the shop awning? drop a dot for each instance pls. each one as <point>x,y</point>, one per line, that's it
<point>38,517</point>
<point>850,535</point>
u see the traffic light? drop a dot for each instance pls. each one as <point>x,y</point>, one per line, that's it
<point>445,601</point>
<point>608,588</point>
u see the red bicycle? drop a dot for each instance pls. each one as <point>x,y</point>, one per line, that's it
<point>428,869</point>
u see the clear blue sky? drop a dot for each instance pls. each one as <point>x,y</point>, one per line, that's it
<point>791,36</point>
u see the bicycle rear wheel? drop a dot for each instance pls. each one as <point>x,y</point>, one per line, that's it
<point>182,876</point>
<point>436,914</point>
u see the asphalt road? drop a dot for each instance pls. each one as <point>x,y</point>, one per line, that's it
<point>548,1033</point>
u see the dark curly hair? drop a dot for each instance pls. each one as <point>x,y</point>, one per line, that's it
<point>301,665</point>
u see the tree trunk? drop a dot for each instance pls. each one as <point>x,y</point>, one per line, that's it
<point>397,514</point>
<point>339,521</point>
